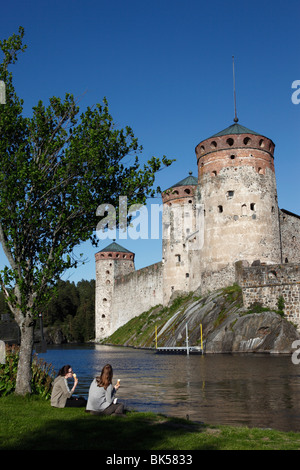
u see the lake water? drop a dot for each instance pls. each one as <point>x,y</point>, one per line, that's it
<point>242,390</point>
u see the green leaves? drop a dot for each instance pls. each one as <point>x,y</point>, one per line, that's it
<point>56,168</point>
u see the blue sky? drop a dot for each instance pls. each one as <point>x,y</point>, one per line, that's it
<point>165,67</point>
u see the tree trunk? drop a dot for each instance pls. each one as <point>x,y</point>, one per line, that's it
<point>23,383</point>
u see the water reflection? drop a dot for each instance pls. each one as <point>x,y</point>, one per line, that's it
<point>252,390</point>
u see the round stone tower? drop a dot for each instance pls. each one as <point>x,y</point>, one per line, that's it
<point>239,196</point>
<point>179,237</point>
<point>112,262</point>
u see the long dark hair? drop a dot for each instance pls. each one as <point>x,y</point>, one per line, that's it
<point>64,370</point>
<point>105,379</point>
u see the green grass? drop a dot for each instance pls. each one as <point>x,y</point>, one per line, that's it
<point>140,330</point>
<point>30,423</point>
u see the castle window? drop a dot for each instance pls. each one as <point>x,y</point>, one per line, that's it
<point>104,300</point>
<point>260,171</point>
<point>262,143</point>
<point>187,191</point>
<point>273,209</point>
<point>214,173</point>
<point>103,316</point>
<point>190,201</point>
<point>230,141</point>
<point>286,260</point>
<point>230,194</point>
<point>247,140</point>
<point>232,157</point>
<point>178,258</point>
<point>272,274</point>
<point>244,208</point>
<point>252,206</point>
<point>213,144</point>
<point>220,209</point>
<point>202,149</point>
<point>187,275</point>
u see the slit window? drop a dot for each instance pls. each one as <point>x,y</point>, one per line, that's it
<point>220,209</point>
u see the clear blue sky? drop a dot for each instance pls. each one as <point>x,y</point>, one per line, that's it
<point>165,67</point>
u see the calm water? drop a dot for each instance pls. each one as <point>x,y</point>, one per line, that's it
<point>252,390</point>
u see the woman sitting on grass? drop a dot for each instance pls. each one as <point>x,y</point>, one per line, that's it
<point>61,396</point>
<point>101,395</point>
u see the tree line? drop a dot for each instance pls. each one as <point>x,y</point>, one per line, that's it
<point>71,310</point>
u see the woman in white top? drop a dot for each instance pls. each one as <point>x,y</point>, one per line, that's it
<point>101,394</point>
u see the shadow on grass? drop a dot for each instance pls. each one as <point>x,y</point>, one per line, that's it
<point>133,432</point>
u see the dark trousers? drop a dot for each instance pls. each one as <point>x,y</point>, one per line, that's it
<point>75,402</point>
<point>113,409</point>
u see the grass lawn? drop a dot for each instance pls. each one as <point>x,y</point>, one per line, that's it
<point>30,423</point>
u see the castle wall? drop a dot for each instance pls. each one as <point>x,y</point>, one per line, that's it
<point>181,241</point>
<point>290,236</point>
<point>229,214</point>
<point>238,192</point>
<point>136,293</point>
<point>264,284</point>
<point>109,265</point>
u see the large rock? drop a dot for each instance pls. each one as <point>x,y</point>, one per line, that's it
<point>256,332</point>
<point>228,328</point>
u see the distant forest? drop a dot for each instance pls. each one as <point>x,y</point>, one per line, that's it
<point>71,310</point>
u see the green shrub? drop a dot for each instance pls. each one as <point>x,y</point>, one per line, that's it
<point>42,374</point>
<point>280,306</point>
<point>257,307</point>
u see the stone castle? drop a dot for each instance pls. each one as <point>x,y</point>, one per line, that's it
<point>219,228</point>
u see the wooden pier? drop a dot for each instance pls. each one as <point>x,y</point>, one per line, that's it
<point>179,350</point>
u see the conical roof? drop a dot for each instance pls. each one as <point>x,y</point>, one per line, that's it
<point>188,181</point>
<point>235,129</point>
<point>115,247</point>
